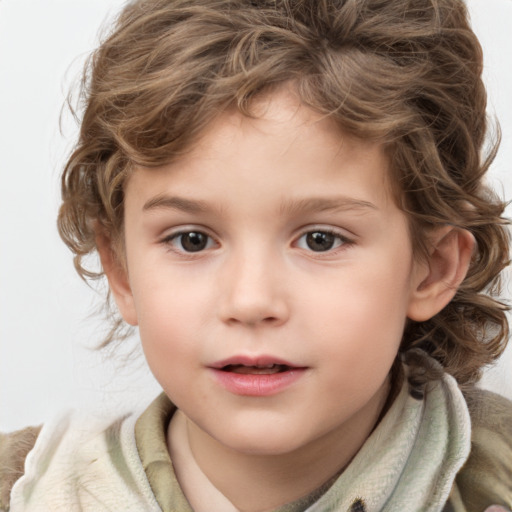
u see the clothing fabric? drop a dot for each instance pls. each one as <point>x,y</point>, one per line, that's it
<point>14,448</point>
<point>79,466</point>
<point>412,461</point>
<point>486,477</point>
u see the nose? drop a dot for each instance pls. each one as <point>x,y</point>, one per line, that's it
<point>253,290</point>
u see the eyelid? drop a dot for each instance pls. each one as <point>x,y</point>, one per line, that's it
<point>175,233</point>
<point>346,240</point>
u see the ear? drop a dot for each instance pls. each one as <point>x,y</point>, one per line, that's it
<point>438,278</point>
<point>117,276</point>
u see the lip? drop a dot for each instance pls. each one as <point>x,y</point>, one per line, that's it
<point>261,360</point>
<point>256,384</point>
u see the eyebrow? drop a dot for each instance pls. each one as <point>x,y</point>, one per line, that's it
<point>175,203</point>
<point>322,204</point>
<point>291,207</point>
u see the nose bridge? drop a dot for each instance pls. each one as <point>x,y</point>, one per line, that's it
<point>252,287</point>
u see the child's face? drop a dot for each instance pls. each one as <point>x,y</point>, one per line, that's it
<point>274,241</point>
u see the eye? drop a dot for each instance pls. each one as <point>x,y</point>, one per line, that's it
<point>190,241</point>
<point>321,241</point>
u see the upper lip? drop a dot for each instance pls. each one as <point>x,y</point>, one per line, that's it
<point>260,361</point>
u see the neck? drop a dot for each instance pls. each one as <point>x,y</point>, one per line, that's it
<point>258,483</point>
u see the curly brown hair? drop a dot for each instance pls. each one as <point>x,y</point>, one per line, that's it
<point>404,72</point>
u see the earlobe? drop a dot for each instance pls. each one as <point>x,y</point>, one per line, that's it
<point>438,279</point>
<point>117,278</point>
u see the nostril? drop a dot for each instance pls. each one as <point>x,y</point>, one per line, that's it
<point>253,307</point>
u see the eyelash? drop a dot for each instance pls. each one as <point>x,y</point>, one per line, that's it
<point>170,239</point>
<point>341,241</point>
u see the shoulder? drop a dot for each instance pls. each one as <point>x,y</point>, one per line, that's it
<point>14,448</point>
<point>486,478</point>
<point>486,408</point>
<point>84,462</point>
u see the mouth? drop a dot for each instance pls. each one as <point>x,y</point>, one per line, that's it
<point>256,376</point>
<point>257,365</point>
<point>256,370</point>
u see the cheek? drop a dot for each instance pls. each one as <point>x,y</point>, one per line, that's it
<point>365,294</point>
<point>362,313</point>
<point>163,320</point>
<point>173,312</point>
<point>169,349</point>
<point>163,297</point>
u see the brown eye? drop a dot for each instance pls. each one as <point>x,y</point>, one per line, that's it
<point>320,241</point>
<point>191,241</point>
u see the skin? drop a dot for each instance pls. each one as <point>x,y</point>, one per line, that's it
<point>255,188</point>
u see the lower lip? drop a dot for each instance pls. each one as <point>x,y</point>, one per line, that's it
<point>258,384</point>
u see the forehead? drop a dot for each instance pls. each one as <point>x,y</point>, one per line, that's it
<point>285,149</point>
<point>282,116</point>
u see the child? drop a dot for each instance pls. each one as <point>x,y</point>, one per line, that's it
<point>287,199</point>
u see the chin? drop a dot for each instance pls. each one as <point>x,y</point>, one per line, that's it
<point>264,443</point>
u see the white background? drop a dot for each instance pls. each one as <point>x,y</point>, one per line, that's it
<point>47,325</point>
